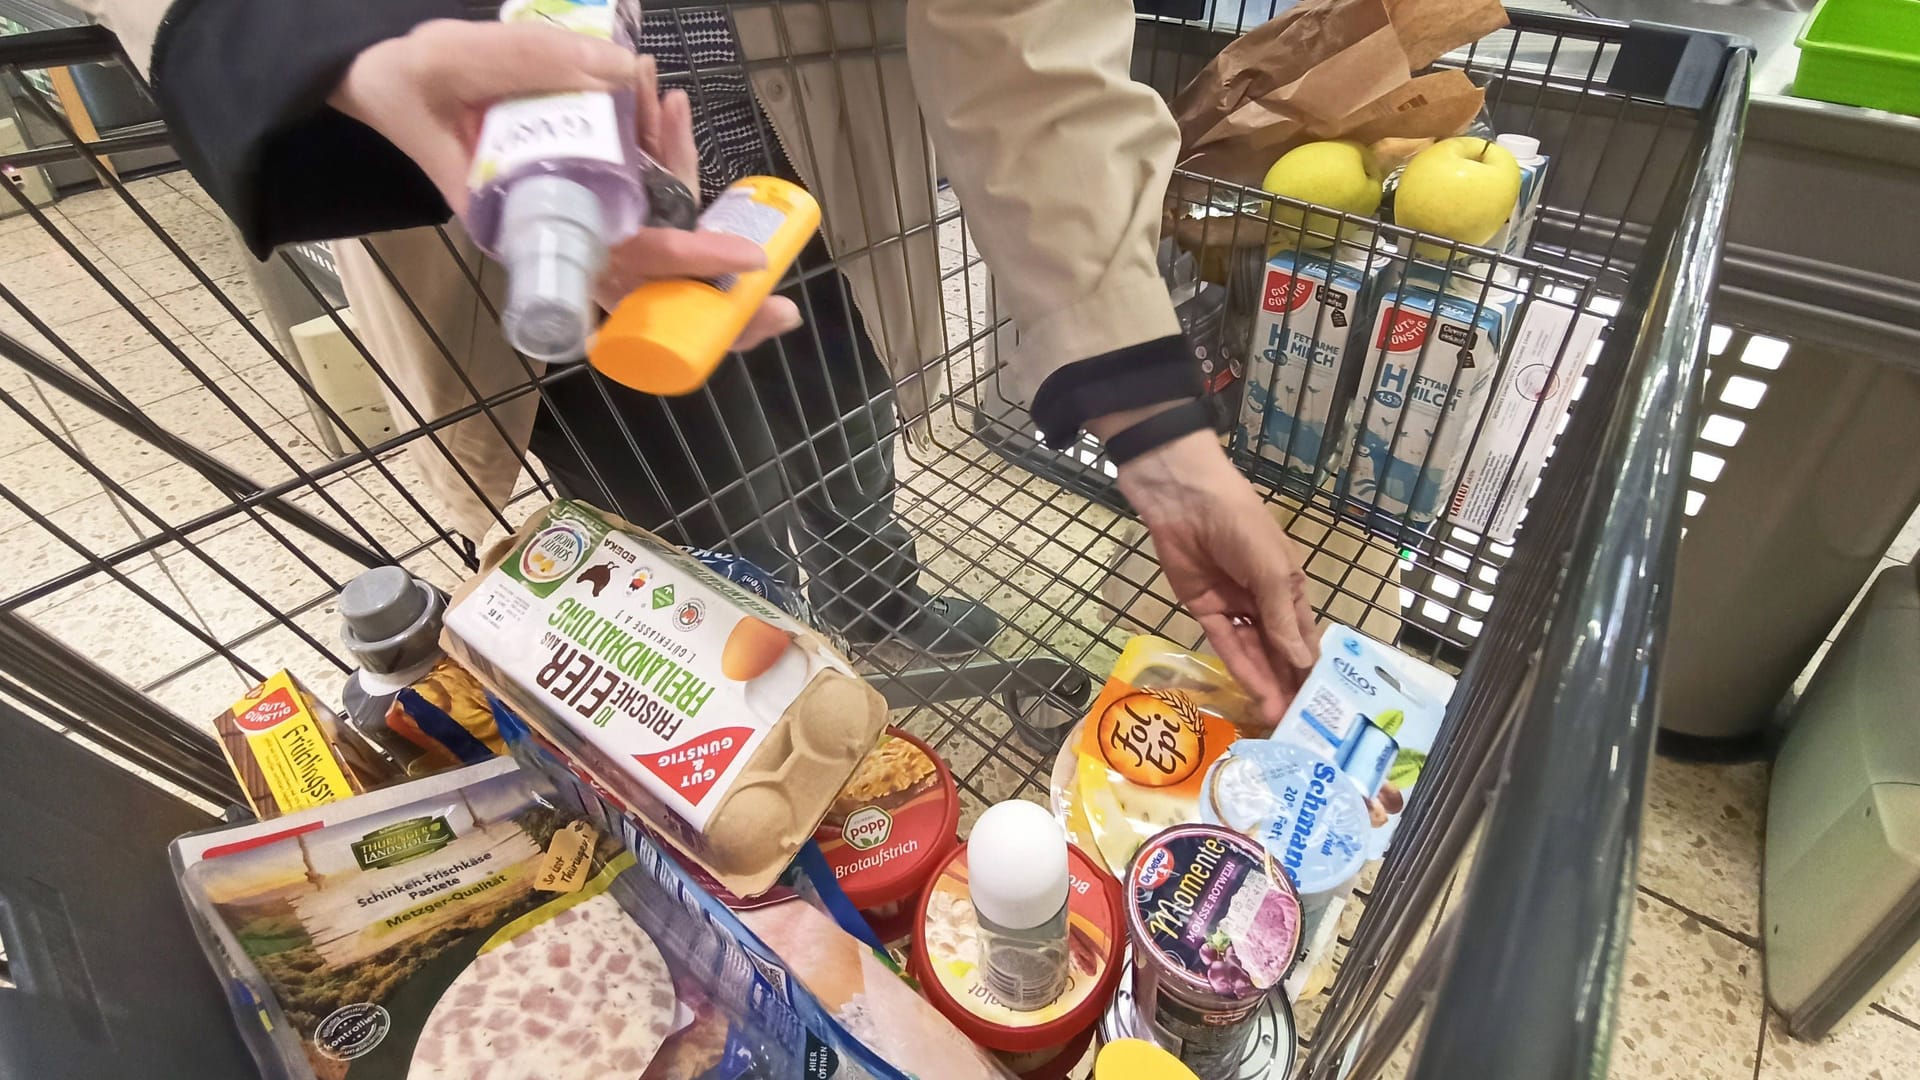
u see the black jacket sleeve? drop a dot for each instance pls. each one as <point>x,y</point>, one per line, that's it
<point>1149,373</point>
<point>243,85</point>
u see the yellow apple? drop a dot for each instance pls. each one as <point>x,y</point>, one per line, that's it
<point>1461,188</point>
<point>1335,174</point>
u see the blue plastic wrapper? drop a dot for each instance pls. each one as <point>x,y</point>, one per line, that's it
<point>769,587</point>
<point>762,584</point>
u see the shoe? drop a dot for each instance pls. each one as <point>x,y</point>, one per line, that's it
<point>941,626</point>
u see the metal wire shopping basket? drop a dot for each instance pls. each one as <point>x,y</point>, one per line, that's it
<point>186,488</point>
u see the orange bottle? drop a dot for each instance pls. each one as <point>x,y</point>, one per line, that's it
<point>668,336</point>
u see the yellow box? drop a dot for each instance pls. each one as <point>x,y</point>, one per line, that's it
<point>283,746</point>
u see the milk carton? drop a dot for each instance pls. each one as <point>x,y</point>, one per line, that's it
<point>1429,364</point>
<point>1303,359</point>
<point>1500,470</point>
<point>1518,231</point>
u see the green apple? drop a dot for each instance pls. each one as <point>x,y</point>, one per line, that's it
<point>1335,174</point>
<point>1461,188</point>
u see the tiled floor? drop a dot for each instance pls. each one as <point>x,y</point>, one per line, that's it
<point>240,407</point>
<point>1691,1001</point>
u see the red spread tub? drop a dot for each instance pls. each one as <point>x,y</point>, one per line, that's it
<point>1045,1043</point>
<point>890,829</point>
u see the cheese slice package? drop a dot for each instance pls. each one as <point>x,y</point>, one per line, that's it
<point>724,722</point>
<point>1141,753</point>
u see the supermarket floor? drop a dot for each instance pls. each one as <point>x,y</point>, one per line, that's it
<point>1691,1001</point>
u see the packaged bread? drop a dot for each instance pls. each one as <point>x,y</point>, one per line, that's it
<point>720,720</point>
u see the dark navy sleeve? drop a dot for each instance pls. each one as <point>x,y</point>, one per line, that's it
<point>1149,373</point>
<point>244,85</point>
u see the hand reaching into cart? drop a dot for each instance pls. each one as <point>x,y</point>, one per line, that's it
<point>1226,558</point>
<point>428,90</point>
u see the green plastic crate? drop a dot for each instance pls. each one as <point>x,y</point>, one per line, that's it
<point>1862,52</point>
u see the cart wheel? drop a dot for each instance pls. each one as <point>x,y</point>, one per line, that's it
<point>1042,718</point>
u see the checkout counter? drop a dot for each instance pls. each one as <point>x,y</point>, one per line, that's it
<point>1823,253</point>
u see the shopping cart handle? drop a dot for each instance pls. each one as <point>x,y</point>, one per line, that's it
<point>1677,65</point>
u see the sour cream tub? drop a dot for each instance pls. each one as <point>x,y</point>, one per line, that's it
<point>890,830</point>
<point>1311,817</point>
<point>1046,1043</point>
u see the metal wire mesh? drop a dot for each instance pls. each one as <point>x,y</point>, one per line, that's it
<point>188,482</point>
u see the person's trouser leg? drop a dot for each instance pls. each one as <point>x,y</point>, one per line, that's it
<point>697,469</point>
<point>706,466</point>
<point>830,403</point>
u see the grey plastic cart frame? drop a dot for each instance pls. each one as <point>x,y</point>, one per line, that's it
<point>1507,955</point>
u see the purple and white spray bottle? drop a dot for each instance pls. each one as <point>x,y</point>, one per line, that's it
<point>557,180</point>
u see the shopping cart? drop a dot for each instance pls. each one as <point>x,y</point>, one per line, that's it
<point>189,483</point>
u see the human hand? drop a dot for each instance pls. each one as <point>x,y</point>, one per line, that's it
<point>663,129</point>
<point>428,91</point>
<point>1226,559</point>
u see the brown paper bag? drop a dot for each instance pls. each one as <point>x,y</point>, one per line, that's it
<point>1430,29</point>
<point>1331,69</point>
<point>1437,105</point>
<point>1322,59</point>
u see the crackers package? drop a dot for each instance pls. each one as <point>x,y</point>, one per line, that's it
<point>290,752</point>
<point>725,723</point>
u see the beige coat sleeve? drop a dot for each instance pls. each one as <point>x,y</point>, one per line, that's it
<point>1061,161</point>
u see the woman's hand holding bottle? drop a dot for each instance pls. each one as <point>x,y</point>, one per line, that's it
<point>428,91</point>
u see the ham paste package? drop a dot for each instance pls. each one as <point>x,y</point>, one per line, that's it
<point>460,926</point>
<point>725,723</point>
<point>485,924</point>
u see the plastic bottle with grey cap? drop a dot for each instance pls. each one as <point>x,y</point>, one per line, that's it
<point>390,623</point>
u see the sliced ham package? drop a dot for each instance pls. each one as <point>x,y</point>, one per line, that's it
<point>795,968</point>
<point>492,924</point>
<point>458,926</point>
